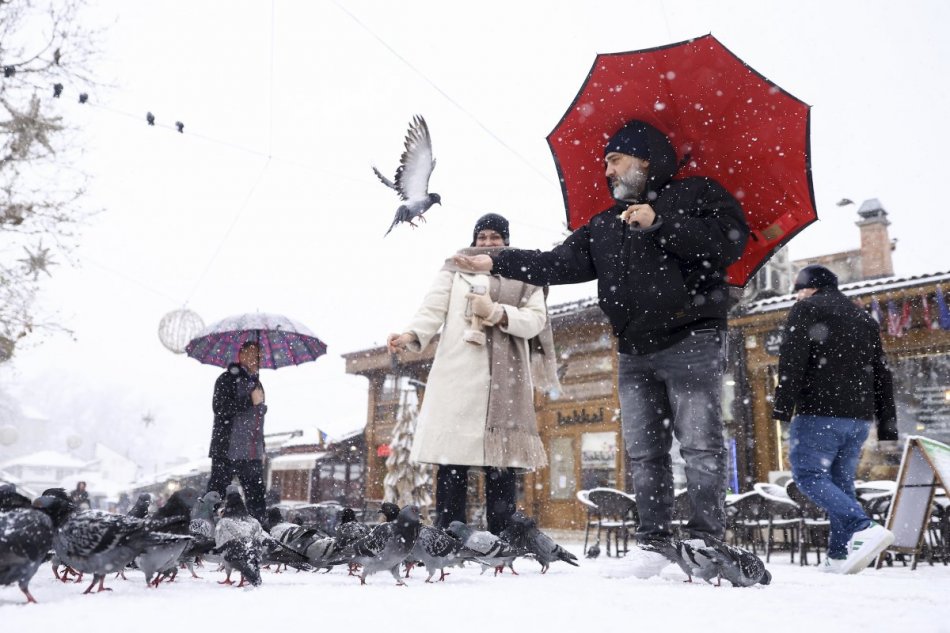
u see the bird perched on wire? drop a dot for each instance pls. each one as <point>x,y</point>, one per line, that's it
<point>412,175</point>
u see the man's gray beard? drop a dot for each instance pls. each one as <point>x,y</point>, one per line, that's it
<point>630,184</point>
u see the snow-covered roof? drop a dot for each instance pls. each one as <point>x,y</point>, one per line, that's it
<point>50,459</point>
<point>295,461</point>
<point>857,288</point>
<point>8,478</point>
<point>572,306</point>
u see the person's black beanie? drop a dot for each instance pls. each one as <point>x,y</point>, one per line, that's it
<point>631,139</point>
<point>491,221</point>
<point>815,276</point>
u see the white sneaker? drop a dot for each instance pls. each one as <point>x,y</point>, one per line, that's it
<point>864,546</point>
<point>832,565</point>
<point>642,561</point>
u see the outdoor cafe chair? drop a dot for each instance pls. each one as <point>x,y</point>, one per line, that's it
<point>782,514</point>
<point>745,519</point>
<point>814,526</point>
<point>616,514</point>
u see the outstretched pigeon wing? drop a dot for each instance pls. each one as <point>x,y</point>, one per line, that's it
<point>416,163</point>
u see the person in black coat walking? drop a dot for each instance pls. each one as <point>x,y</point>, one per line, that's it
<point>834,378</point>
<point>237,436</point>
<point>659,257</point>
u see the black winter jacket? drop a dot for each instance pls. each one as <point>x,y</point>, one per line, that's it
<point>655,284</point>
<point>832,363</point>
<point>232,395</point>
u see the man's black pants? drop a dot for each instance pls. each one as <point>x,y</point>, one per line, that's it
<point>250,472</point>
<point>451,493</point>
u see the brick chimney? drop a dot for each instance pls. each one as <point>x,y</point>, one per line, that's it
<point>875,243</point>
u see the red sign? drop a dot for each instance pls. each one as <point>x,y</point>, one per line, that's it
<point>383,450</point>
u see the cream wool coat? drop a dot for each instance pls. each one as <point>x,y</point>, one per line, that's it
<point>452,420</point>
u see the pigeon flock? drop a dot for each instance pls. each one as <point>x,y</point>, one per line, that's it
<point>192,530</point>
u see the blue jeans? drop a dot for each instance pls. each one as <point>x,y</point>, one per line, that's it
<point>824,452</point>
<point>675,391</point>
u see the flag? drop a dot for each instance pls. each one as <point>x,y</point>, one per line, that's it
<point>876,311</point>
<point>893,320</point>
<point>906,317</point>
<point>928,321</point>
<point>943,314</point>
<point>323,436</point>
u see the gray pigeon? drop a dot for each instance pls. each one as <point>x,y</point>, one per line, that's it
<point>349,530</point>
<point>412,175</point>
<point>740,567</point>
<point>437,549</point>
<point>387,545</point>
<point>238,538</point>
<point>489,550</point>
<point>26,536</point>
<point>139,509</point>
<point>97,542</point>
<point>159,560</point>
<point>539,544</point>
<point>594,550</point>
<point>201,530</point>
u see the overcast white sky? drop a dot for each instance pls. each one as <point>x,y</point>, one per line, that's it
<point>267,202</point>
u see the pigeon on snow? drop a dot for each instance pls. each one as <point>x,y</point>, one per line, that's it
<point>412,175</point>
<point>160,559</point>
<point>539,544</point>
<point>238,537</point>
<point>139,509</point>
<point>594,550</point>
<point>97,542</point>
<point>437,549</point>
<point>26,536</point>
<point>489,550</point>
<point>740,567</point>
<point>387,545</point>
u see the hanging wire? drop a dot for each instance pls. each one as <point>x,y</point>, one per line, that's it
<point>448,97</point>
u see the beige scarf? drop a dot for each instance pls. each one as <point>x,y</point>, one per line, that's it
<point>511,437</point>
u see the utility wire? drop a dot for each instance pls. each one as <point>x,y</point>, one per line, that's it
<point>448,97</point>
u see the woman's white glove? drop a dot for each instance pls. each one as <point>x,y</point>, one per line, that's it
<point>484,308</point>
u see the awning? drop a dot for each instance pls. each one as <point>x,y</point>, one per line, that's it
<point>295,461</point>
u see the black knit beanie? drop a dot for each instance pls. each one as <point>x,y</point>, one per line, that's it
<point>494,222</point>
<point>815,276</point>
<point>631,139</point>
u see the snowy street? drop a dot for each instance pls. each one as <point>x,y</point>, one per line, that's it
<point>566,598</point>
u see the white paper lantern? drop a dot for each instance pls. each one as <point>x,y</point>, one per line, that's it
<point>8,435</point>
<point>177,328</point>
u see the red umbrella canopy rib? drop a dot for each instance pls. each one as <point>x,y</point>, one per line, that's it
<point>725,120</point>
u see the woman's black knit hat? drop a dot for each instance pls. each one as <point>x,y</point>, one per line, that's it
<point>491,221</point>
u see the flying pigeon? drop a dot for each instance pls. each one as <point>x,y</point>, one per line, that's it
<point>437,549</point>
<point>238,538</point>
<point>740,567</point>
<point>412,175</point>
<point>489,550</point>
<point>97,542</point>
<point>539,544</point>
<point>26,536</point>
<point>387,545</point>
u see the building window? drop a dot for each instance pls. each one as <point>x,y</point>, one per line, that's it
<point>561,468</point>
<point>598,460</point>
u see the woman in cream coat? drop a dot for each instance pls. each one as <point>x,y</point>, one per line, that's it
<point>478,408</point>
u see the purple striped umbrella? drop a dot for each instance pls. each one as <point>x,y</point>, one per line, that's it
<point>283,341</point>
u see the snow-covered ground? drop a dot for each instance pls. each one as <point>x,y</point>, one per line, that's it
<point>565,599</point>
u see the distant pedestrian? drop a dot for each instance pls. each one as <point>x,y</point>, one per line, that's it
<point>237,437</point>
<point>834,378</point>
<point>80,496</point>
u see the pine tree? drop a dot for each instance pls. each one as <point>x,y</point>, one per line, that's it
<point>406,483</point>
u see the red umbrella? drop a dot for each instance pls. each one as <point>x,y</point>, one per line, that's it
<point>725,120</point>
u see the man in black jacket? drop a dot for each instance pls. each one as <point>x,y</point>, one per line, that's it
<point>237,437</point>
<point>660,258</point>
<point>833,376</point>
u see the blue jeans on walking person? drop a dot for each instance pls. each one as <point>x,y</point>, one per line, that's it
<point>675,391</point>
<point>824,453</point>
